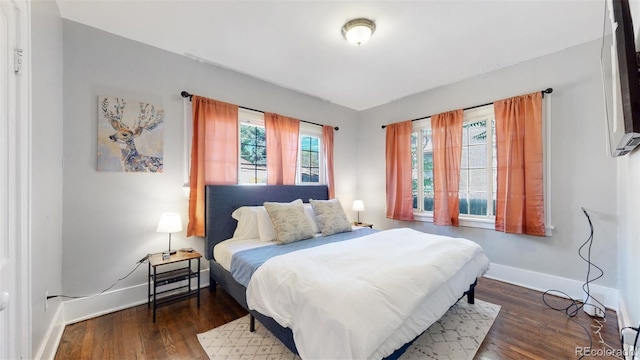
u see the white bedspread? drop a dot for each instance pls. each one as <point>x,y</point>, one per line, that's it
<point>343,300</point>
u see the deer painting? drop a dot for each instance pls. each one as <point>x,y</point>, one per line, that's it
<point>147,118</point>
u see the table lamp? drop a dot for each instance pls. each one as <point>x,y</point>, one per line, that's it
<point>170,223</point>
<point>358,205</point>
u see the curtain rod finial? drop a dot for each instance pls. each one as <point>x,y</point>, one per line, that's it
<point>185,94</point>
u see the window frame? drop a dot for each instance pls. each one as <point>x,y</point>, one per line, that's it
<point>249,118</point>
<point>310,130</point>
<point>486,221</point>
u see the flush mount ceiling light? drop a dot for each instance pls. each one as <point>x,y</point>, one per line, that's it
<point>358,31</point>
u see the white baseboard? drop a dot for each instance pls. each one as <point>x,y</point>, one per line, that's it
<point>86,308</point>
<point>543,282</point>
<point>624,320</point>
<point>53,336</point>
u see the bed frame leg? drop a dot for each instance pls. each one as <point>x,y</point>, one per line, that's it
<point>471,293</point>
<point>252,323</point>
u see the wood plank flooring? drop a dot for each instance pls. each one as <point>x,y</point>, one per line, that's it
<point>525,328</point>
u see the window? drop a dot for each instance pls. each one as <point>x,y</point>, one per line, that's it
<point>253,148</point>
<point>253,151</point>
<point>477,167</point>
<point>422,186</point>
<point>310,158</point>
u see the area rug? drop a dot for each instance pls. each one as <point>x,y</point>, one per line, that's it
<point>457,336</point>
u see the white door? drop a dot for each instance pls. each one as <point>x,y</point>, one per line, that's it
<point>7,315</point>
<point>14,183</point>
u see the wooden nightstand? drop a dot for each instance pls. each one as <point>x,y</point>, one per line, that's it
<point>161,278</point>
<point>363,225</point>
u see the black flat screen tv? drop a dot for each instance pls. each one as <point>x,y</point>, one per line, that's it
<point>621,81</point>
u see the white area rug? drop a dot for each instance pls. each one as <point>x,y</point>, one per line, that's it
<point>457,335</point>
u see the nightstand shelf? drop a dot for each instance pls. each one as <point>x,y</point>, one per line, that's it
<point>162,278</point>
<point>363,224</point>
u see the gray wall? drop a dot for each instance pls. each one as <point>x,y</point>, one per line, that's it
<point>110,217</point>
<point>581,175</point>
<point>46,215</point>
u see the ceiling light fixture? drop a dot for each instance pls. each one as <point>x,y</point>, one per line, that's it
<point>358,31</point>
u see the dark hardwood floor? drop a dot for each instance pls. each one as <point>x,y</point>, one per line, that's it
<point>524,329</point>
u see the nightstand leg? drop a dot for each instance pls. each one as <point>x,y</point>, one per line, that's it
<point>155,303</point>
<point>198,289</point>
<point>149,287</point>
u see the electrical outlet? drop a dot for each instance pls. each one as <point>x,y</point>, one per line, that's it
<point>46,301</point>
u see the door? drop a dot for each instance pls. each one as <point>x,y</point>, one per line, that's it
<point>14,183</point>
<point>6,266</point>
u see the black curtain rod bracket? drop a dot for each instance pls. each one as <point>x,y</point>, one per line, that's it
<point>545,91</point>
<point>185,94</point>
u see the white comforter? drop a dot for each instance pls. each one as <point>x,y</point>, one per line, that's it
<point>343,300</point>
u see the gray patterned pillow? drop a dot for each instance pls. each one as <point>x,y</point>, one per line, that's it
<point>330,216</point>
<point>290,221</point>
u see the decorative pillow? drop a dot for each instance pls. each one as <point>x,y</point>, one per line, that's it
<point>290,221</point>
<point>247,217</point>
<point>330,216</point>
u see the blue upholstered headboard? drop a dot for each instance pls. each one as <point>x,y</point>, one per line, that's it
<point>222,200</point>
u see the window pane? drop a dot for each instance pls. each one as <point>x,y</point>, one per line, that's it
<point>428,201</point>
<point>427,140</point>
<point>253,155</point>
<point>477,180</point>
<point>478,132</point>
<point>305,158</point>
<point>464,180</point>
<point>464,203</point>
<point>309,159</point>
<point>477,156</point>
<point>478,203</point>
<point>414,169</point>
<point>306,143</point>
<point>260,136</point>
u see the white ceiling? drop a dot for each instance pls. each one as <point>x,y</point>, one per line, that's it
<point>417,46</point>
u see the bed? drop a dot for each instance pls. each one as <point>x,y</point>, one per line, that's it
<point>222,200</point>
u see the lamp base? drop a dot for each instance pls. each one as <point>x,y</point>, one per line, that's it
<point>171,252</point>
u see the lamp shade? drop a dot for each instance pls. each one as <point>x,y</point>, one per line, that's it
<point>358,205</point>
<point>170,223</point>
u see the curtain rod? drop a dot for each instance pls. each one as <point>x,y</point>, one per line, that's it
<point>185,94</point>
<point>545,91</point>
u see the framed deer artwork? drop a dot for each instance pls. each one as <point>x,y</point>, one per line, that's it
<point>130,135</point>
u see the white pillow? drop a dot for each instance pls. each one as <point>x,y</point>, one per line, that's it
<point>266,230</point>
<point>290,221</point>
<point>330,216</point>
<point>247,217</point>
<point>308,209</point>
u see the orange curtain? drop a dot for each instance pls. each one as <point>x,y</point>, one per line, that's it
<point>447,151</point>
<point>327,140</point>
<point>282,148</point>
<point>398,159</point>
<point>214,154</point>
<point>520,191</point>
